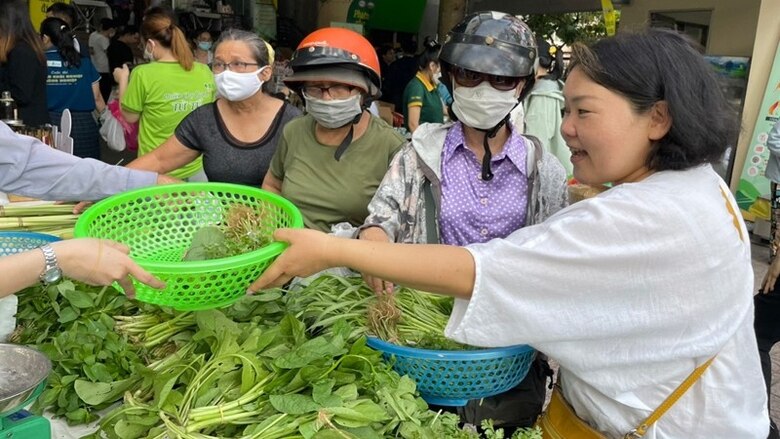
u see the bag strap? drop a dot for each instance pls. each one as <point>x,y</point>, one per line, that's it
<point>669,401</point>
<point>697,373</point>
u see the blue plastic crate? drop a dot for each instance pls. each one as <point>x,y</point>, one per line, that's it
<point>452,378</point>
<point>17,242</point>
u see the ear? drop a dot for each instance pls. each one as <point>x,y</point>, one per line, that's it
<point>265,75</point>
<point>660,120</point>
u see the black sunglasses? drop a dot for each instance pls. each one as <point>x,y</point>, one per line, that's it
<point>470,78</point>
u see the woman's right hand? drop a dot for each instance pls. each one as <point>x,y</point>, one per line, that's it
<point>771,276</point>
<point>122,74</point>
<point>378,285</point>
<point>101,262</point>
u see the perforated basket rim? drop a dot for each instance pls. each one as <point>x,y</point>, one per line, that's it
<point>81,229</point>
<point>432,354</point>
<point>30,235</point>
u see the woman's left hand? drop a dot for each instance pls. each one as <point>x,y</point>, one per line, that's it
<point>307,254</point>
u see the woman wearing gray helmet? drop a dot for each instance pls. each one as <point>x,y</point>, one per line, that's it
<point>475,179</point>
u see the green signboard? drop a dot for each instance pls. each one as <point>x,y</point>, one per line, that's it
<point>392,15</point>
<point>753,191</point>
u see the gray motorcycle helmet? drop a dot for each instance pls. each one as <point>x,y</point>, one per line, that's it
<point>491,42</point>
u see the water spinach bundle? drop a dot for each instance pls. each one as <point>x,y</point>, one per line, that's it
<point>408,317</point>
<point>242,230</point>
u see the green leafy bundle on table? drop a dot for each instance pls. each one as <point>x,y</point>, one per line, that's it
<point>407,317</point>
<point>73,325</point>
<point>244,381</point>
<point>248,371</point>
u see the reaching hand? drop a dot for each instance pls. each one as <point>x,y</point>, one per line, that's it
<point>81,207</point>
<point>771,276</point>
<point>101,262</point>
<point>121,74</point>
<point>306,255</point>
<point>378,285</point>
<point>166,179</point>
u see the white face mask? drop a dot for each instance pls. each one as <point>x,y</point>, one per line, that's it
<point>334,113</point>
<point>437,77</point>
<point>482,106</point>
<point>238,86</point>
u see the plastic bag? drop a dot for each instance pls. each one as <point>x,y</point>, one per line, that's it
<point>112,132</point>
<point>130,129</point>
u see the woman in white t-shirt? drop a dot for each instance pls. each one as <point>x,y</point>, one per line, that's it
<point>629,291</point>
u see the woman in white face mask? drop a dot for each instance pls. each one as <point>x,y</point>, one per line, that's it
<point>475,179</point>
<point>162,92</point>
<point>202,45</point>
<point>330,162</point>
<point>238,134</point>
<point>422,101</point>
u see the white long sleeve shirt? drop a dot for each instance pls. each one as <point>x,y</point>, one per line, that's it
<point>629,292</point>
<point>30,168</point>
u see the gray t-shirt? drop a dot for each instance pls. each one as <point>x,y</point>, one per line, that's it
<point>225,158</point>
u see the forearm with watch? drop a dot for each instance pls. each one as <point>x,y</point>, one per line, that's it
<point>28,268</point>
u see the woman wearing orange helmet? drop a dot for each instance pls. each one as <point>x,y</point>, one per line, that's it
<point>331,161</point>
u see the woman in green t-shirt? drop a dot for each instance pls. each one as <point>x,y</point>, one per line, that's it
<point>161,93</point>
<point>422,102</point>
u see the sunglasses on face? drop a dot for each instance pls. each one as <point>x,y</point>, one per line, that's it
<point>470,78</point>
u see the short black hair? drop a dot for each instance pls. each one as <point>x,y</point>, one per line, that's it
<point>384,48</point>
<point>659,65</point>
<point>126,30</point>
<point>65,11</point>
<point>107,23</point>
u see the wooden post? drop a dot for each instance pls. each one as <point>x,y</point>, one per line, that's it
<point>451,12</point>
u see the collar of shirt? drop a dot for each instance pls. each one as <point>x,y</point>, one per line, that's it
<point>515,148</point>
<point>428,86</point>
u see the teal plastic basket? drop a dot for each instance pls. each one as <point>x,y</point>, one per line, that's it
<point>452,378</point>
<point>17,242</point>
<point>158,224</point>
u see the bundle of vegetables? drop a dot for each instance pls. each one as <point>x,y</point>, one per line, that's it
<point>73,325</point>
<point>408,317</point>
<point>242,230</point>
<point>245,381</point>
<point>38,216</point>
<point>251,371</point>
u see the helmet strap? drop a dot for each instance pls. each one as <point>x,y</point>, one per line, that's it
<point>487,173</point>
<point>348,138</point>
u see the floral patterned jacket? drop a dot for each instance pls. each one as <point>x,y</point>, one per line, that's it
<point>407,203</point>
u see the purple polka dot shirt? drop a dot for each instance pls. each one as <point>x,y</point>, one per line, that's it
<point>473,210</point>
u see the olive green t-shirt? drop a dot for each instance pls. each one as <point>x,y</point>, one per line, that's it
<point>327,191</point>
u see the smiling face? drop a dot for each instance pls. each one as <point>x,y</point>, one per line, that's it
<point>609,140</point>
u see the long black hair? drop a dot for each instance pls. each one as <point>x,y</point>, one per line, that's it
<point>15,26</point>
<point>429,54</point>
<point>551,61</point>
<point>60,35</point>
<point>658,65</point>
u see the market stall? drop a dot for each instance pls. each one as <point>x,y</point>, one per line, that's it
<point>201,359</point>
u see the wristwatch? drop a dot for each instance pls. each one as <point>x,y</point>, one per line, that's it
<point>51,272</point>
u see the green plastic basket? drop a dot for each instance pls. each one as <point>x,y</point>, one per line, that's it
<point>158,223</point>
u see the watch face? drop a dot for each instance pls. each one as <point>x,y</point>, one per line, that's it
<point>51,275</point>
